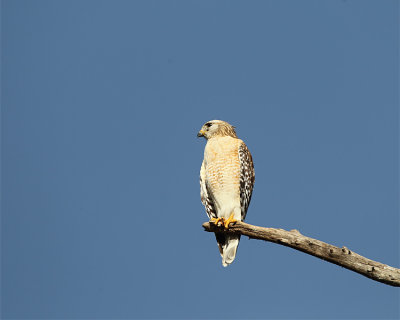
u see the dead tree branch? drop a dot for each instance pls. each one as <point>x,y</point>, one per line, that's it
<point>294,239</point>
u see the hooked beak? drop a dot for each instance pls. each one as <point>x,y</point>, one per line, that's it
<point>201,133</point>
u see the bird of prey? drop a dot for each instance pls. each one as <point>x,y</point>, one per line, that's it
<point>226,182</point>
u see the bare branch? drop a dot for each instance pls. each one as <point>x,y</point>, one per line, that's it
<point>294,239</point>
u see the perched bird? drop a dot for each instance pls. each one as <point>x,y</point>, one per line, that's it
<point>226,181</point>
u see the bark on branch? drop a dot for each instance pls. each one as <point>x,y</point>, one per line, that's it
<point>294,239</point>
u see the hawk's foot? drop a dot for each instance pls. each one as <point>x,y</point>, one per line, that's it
<point>228,221</point>
<point>217,221</point>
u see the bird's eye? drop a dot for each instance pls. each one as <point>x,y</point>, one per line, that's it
<point>208,124</point>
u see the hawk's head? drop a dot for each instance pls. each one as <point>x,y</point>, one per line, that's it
<point>217,128</point>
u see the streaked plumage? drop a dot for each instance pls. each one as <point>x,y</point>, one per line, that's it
<point>226,180</point>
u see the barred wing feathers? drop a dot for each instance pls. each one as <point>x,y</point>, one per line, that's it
<point>247,178</point>
<point>205,194</point>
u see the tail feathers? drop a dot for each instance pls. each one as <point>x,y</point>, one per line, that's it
<point>227,247</point>
<point>229,252</point>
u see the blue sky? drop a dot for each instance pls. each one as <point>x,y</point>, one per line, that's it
<point>101,102</point>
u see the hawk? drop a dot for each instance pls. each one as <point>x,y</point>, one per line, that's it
<point>226,182</point>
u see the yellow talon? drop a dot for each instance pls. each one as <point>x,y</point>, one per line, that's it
<point>229,221</point>
<point>216,221</point>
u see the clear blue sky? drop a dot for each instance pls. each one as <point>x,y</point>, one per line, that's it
<point>101,103</point>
